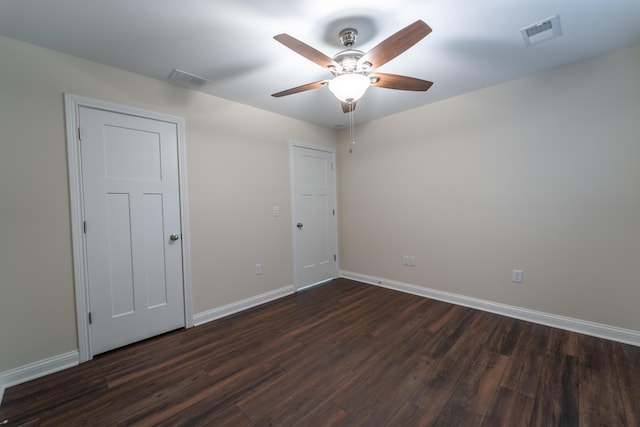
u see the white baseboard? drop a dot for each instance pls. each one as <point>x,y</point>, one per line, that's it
<point>234,307</point>
<point>599,330</point>
<point>37,369</point>
<point>63,361</point>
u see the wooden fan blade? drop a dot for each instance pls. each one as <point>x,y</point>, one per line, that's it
<point>394,81</point>
<point>302,88</point>
<point>305,50</point>
<point>395,44</point>
<point>347,108</point>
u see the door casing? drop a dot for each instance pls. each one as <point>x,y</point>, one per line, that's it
<point>72,105</point>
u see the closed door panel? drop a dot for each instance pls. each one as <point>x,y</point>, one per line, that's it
<point>314,206</point>
<point>131,207</point>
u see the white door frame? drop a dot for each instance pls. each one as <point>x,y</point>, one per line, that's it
<point>332,151</point>
<point>73,103</point>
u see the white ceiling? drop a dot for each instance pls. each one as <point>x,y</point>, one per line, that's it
<point>474,43</point>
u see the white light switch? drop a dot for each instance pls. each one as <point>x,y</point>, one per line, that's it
<point>516,276</point>
<point>258,269</point>
<point>276,211</point>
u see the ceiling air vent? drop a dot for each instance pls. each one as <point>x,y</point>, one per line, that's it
<point>187,78</point>
<point>542,31</point>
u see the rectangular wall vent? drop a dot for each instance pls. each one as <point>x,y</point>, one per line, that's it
<point>537,29</point>
<point>187,78</point>
<point>542,31</point>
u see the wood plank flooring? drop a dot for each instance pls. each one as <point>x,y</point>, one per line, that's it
<point>346,354</point>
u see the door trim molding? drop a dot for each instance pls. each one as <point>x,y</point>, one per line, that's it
<point>73,103</point>
<point>296,143</point>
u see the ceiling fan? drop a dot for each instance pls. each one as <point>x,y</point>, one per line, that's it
<point>353,69</point>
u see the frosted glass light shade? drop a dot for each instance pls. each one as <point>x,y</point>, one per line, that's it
<point>349,87</point>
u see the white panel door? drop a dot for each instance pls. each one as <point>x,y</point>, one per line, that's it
<point>132,212</point>
<point>314,216</point>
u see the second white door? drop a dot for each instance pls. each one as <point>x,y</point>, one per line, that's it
<point>314,215</point>
<point>133,239</point>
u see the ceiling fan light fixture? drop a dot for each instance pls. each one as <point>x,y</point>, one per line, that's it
<point>349,87</point>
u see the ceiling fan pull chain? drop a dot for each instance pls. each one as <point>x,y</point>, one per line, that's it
<point>352,131</point>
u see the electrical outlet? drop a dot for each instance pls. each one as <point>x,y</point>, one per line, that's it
<point>409,261</point>
<point>258,269</point>
<point>516,276</point>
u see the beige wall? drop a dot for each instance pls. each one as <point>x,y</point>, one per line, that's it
<point>238,169</point>
<point>540,174</point>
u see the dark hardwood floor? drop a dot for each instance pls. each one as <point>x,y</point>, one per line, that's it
<point>346,354</point>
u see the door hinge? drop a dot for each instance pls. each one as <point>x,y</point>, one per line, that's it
<point>335,257</point>
<point>84,227</point>
<point>79,134</point>
<point>331,165</point>
<point>334,212</point>
<point>90,318</point>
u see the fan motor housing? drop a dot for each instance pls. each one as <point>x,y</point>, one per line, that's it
<point>348,60</point>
